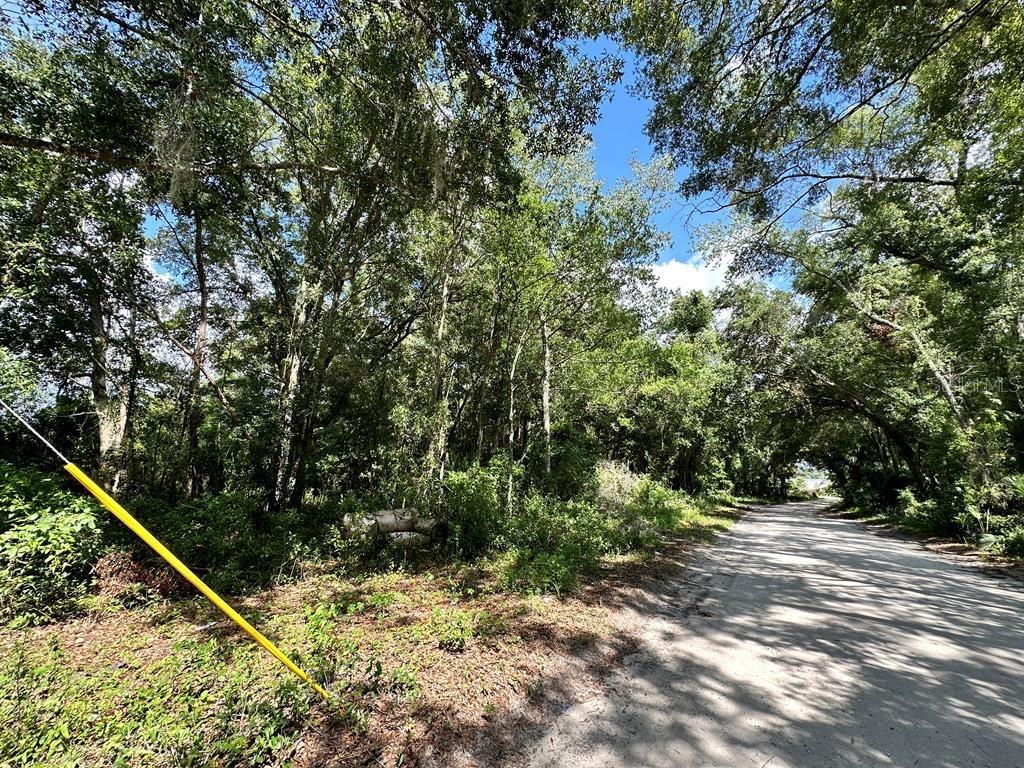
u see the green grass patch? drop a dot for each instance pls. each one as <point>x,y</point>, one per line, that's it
<point>554,545</point>
<point>204,703</point>
<point>168,692</point>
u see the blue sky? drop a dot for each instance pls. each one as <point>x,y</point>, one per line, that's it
<point>619,138</point>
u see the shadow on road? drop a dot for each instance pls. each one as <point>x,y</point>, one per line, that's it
<point>802,640</point>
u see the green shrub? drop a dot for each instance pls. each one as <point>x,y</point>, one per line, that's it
<point>217,534</point>
<point>1013,490</point>
<point>574,458</point>
<point>552,541</point>
<point>644,506</point>
<point>540,572</point>
<point>720,498</point>
<point>451,627</point>
<point>321,511</point>
<point>1013,542</point>
<point>472,512</point>
<point>922,515</point>
<point>797,490</point>
<point>544,524</point>
<point>49,540</point>
<point>653,509</point>
<point>1000,525</point>
<point>654,503</point>
<point>615,486</point>
<point>498,466</point>
<point>403,682</point>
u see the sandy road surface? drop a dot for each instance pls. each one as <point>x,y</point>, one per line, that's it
<point>802,640</point>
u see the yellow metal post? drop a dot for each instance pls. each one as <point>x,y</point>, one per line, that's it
<point>123,515</point>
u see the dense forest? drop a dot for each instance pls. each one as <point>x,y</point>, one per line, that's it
<point>273,268</point>
<point>271,265</point>
<point>264,263</point>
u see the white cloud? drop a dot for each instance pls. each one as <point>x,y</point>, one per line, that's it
<point>693,275</point>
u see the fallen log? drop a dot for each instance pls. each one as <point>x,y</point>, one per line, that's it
<point>408,539</point>
<point>390,521</point>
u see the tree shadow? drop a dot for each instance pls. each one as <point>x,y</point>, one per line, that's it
<point>448,732</point>
<point>805,641</point>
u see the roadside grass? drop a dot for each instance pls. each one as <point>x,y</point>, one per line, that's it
<point>172,684</point>
<point>418,660</point>
<point>895,520</point>
<point>706,519</point>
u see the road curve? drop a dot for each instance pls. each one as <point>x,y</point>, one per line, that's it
<point>803,640</point>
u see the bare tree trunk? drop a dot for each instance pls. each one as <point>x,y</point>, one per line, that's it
<point>193,413</point>
<point>289,393</point>
<point>512,417</point>
<point>436,453</point>
<point>109,418</point>
<point>545,390</point>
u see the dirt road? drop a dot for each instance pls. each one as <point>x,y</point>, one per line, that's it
<point>802,640</point>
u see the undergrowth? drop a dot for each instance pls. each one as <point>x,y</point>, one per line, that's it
<point>166,689</point>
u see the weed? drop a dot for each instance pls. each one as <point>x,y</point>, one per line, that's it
<point>202,704</point>
<point>403,682</point>
<point>452,628</point>
<point>381,600</point>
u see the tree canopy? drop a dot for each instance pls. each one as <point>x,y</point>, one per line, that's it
<point>333,291</point>
<point>871,154</point>
<point>281,257</point>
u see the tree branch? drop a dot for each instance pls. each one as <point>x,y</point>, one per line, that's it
<point>116,160</point>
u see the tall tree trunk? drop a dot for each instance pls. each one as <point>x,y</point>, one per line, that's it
<point>445,428</point>
<point>438,447</point>
<point>315,383</point>
<point>289,393</point>
<point>303,450</point>
<point>193,412</point>
<point>545,390</point>
<point>109,419</point>
<point>125,467</point>
<point>512,418</point>
<point>482,376</point>
<point>296,389</point>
